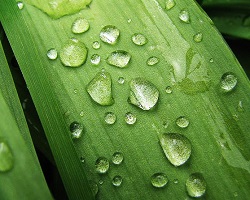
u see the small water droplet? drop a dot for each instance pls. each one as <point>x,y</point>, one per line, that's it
<point>235,194</point>
<point>96,45</point>
<point>109,34</point>
<point>196,185</point>
<point>110,118</point>
<point>121,80</point>
<point>139,39</point>
<point>94,187</point>
<point>100,89</point>
<point>117,181</point>
<point>159,180</point>
<point>143,93</point>
<point>211,60</point>
<point>246,21</point>
<point>169,4</point>
<point>152,61</point>
<point>119,58</point>
<point>102,165</point>
<point>117,158</point>
<point>74,53</point>
<point>198,37</point>
<point>100,181</point>
<point>75,91</point>
<point>166,124</point>
<point>20,5</point>
<point>76,129</point>
<point>228,82</point>
<point>52,54</point>
<point>168,90</point>
<point>82,113</point>
<point>176,147</point>
<point>82,159</point>
<point>184,16</point>
<point>6,157</point>
<point>129,21</point>
<point>95,59</point>
<point>182,122</point>
<point>176,181</point>
<point>80,25</point>
<point>240,107</point>
<point>130,118</point>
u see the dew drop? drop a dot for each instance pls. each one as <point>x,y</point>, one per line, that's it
<point>109,34</point>
<point>110,118</point>
<point>80,25</point>
<point>82,113</point>
<point>196,185</point>
<point>240,107</point>
<point>76,129</point>
<point>211,60</point>
<point>52,54</point>
<point>198,37</point>
<point>182,122</point>
<point>117,181</point>
<point>102,165</point>
<point>246,21</point>
<point>100,89</point>
<point>184,16</point>
<point>100,181</point>
<point>74,53</point>
<point>121,80</point>
<point>168,90</point>
<point>152,61</point>
<point>169,4</point>
<point>143,93</point>
<point>159,180</point>
<point>235,194</point>
<point>176,147</point>
<point>119,58</point>
<point>228,82</point>
<point>82,159</point>
<point>6,157</point>
<point>130,118</point>
<point>95,59</point>
<point>94,187</point>
<point>20,5</point>
<point>176,181</point>
<point>75,91</point>
<point>165,124</point>
<point>96,45</point>
<point>139,39</point>
<point>129,21</point>
<point>117,158</point>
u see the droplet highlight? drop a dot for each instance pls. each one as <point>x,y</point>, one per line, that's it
<point>184,16</point>
<point>52,54</point>
<point>117,158</point>
<point>139,39</point>
<point>228,81</point>
<point>159,180</point>
<point>198,37</point>
<point>110,118</point>
<point>95,59</point>
<point>117,181</point>
<point>80,25</point>
<point>102,165</point>
<point>152,61</point>
<point>6,157</point>
<point>109,34</point>
<point>119,59</point>
<point>130,118</point>
<point>196,185</point>
<point>182,122</point>
<point>76,129</point>
<point>169,4</point>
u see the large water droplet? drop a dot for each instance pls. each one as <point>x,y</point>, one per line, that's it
<point>121,80</point>
<point>152,61</point>
<point>176,147</point>
<point>6,157</point>
<point>52,54</point>
<point>102,165</point>
<point>110,118</point>
<point>74,53</point>
<point>96,45</point>
<point>198,37</point>
<point>182,122</point>
<point>80,25</point>
<point>117,181</point>
<point>139,39</point>
<point>159,180</point>
<point>169,4</point>
<point>20,5</point>
<point>196,185</point>
<point>76,129</point>
<point>109,34</point>
<point>130,118</point>
<point>100,89</point>
<point>119,58</point>
<point>184,16</point>
<point>117,158</point>
<point>143,93</point>
<point>228,82</point>
<point>95,59</point>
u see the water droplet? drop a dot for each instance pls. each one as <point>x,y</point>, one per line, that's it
<point>168,90</point>
<point>6,157</point>
<point>235,194</point>
<point>52,54</point>
<point>240,107</point>
<point>139,39</point>
<point>95,59</point>
<point>169,4</point>
<point>110,118</point>
<point>74,53</point>
<point>82,159</point>
<point>94,187</point>
<point>75,91</point>
<point>152,61</point>
<point>117,158</point>
<point>165,124</point>
<point>76,129</point>
<point>211,60</point>
<point>176,147</point>
<point>176,181</point>
<point>130,118</point>
<point>198,37</point>
<point>228,82</point>
<point>80,25</point>
<point>184,16</point>
<point>96,45</point>
<point>117,181</point>
<point>119,58</point>
<point>99,88</point>
<point>109,34</point>
<point>246,21</point>
<point>143,93</point>
<point>196,185</point>
<point>20,5</point>
<point>121,80</point>
<point>129,21</point>
<point>100,181</point>
<point>102,165</point>
<point>159,180</point>
<point>82,113</point>
<point>182,122</point>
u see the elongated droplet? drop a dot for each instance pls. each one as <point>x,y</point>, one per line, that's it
<point>117,158</point>
<point>80,25</point>
<point>152,61</point>
<point>94,187</point>
<point>184,16</point>
<point>102,165</point>
<point>20,5</point>
<point>117,181</point>
<point>143,93</point>
<point>96,45</point>
<point>95,59</point>
<point>240,107</point>
<point>159,180</point>
<point>196,185</point>
<point>110,118</point>
<point>109,34</point>
<point>228,82</point>
<point>74,53</point>
<point>198,37</point>
<point>100,89</point>
<point>139,39</point>
<point>121,80</point>
<point>119,58</point>
<point>130,118</point>
<point>76,129</point>
<point>52,54</point>
<point>182,122</point>
<point>169,4</point>
<point>6,157</point>
<point>176,147</point>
